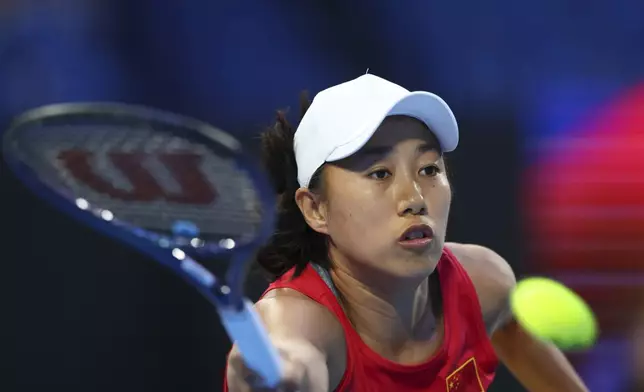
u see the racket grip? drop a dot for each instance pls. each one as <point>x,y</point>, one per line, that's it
<point>247,331</point>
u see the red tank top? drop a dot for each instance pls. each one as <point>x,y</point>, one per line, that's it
<point>465,361</point>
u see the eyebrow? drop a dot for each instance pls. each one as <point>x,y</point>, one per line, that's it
<point>385,150</point>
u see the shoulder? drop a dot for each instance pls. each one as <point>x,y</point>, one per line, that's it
<point>289,314</point>
<point>493,279</point>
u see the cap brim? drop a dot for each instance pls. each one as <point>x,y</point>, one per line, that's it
<point>424,106</point>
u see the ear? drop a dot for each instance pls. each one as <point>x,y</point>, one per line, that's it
<point>313,209</point>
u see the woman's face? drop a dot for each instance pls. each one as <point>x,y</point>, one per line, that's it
<point>395,183</point>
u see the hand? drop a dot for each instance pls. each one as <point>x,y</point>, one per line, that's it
<point>304,369</point>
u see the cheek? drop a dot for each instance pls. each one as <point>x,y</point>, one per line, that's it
<point>362,215</point>
<point>439,199</point>
<point>445,191</point>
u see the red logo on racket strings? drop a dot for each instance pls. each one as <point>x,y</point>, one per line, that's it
<point>184,167</point>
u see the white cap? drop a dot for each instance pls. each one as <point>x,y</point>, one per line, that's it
<point>342,119</point>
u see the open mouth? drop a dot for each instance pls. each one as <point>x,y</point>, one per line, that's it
<point>417,234</point>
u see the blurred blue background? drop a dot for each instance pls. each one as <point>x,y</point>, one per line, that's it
<point>539,88</point>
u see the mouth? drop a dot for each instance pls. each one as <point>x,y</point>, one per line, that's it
<point>417,236</point>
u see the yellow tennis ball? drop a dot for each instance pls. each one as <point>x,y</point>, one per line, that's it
<point>552,312</point>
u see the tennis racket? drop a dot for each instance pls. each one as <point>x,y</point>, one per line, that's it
<point>175,188</point>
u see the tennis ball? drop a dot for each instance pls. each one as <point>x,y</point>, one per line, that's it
<point>552,312</point>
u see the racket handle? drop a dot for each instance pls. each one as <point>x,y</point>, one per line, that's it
<point>247,331</point>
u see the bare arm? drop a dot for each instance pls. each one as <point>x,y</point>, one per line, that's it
<point>539,366</point>
<point>308,337</point>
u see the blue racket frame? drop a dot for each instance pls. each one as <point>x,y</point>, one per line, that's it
<point>237,314</point>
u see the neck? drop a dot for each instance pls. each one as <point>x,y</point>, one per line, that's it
<point>384,310</point>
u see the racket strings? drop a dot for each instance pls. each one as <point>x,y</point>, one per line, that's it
<point>146,176</point>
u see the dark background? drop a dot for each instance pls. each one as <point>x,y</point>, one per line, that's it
<point>87,314</point>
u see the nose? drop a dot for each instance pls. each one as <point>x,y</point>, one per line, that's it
<point>411,200</point>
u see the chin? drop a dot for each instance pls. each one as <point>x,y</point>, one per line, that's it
<point>411,267</point>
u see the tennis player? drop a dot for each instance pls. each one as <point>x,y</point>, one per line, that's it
<point>366,295</point>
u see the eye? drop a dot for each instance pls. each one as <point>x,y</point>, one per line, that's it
<point>431,170</point>
<point>380,174</point>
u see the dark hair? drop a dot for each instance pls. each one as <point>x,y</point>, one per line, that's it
<point>294,243</point>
